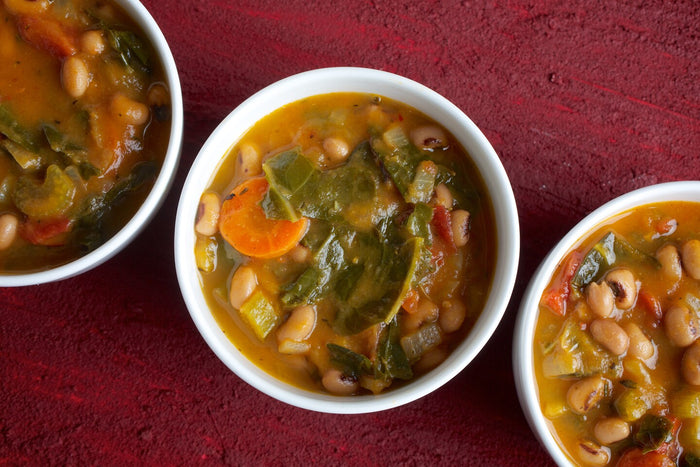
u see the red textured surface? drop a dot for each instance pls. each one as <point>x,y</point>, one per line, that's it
<point>582,103</point>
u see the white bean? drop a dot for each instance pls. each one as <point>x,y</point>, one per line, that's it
<point>460,227</point>
<point>610,335</point>
<point>336,149</point>
<point>670,261</point>
<point>681,325</point>
<point>299,325</point>
<point>128,110</point>
<point>624,287</point>
<point>75,76</point>
<point>248,162</point>
<point>92,42</point>
<point>452,315</point>
<point>8,230</point>
<point>690,253</point>
<point>611,430</point>
<point>207,219</point>
<point>443,196</point>
<point>690,364</point>
<point>243,284</point>
<point>585,394</point>
<point>600,299</point>
<point>336,382</point>
<point>640,346</point>
<point>429,137</point>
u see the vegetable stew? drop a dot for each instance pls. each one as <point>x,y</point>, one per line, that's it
<point>84,127</point>
<point>346,243</point>
<point>617,358</point>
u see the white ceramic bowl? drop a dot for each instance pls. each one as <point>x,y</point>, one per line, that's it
<point>162,184</point>
<point>523,357</point>
<point>325,81</point>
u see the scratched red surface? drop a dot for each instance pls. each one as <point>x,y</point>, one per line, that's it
<point>582,100</point>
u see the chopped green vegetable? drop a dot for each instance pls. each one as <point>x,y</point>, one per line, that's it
<point>51,198</point>
<point>131,49</point>
<point>76,154</point>
<point>10,127</point>
<point>418,222</point>
<point>632,404</point>
<point>28,160</point>
<point>686,403</point>
<point>205,249</point>
<point>348,362</point>
<point>421,341</point>
<point>391,359</point>
<point>260,314</point>
<point>654,431</point>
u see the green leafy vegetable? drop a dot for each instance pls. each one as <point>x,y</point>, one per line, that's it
<point>654,430</point>
<point>51,198</point>
<point>418,222</point>
<point>28,160</point>
<point>348,362</point>
<point>392,361</point>
<point>11,128</point>
<point>131,49</point>
<point>77,154</point>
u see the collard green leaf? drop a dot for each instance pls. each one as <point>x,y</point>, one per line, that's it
<point>391,359</point>
<point>131,49</point>
<point>11,128</point>
<point>74,152</point>
<point>654,430</point>
<point>348,362</point>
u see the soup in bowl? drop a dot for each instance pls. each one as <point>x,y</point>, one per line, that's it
<point>342,250</point>
<point>606,355</point>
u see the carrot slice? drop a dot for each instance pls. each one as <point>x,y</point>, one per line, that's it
<point>243,223</point>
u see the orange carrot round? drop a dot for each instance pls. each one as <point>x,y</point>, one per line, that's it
<point>243,223</point>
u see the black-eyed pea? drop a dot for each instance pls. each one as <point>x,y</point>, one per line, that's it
<point>610,335</point>
<point>426,312</point>
<point>128,110</point>
<point>611,430</point>
<point>681,325</point>
<point>75,76</point>
<point>690,255</point>
<point>299,325</point>
<point>92,42</point>
<point>158,95</point>
<point>670,260</point>
<point>452,314</point>
<point>430,360</point>
<point>429,137</point>
<point>336,149</point>
<point>591,453</point>
<point>249,161</point>
<point>8,230</point>
<point>624,287</point>
<point>443,196</point>
<point>207,218</point>
<point>640,345</point>
<point>243,283</point>
<point>690,364</point>
<point>300,254</point>
<point>600,299</point>
<point>460,227</point>
<point>338,383</point>
<point>585,394</point>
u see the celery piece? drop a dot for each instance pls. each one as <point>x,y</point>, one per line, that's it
<point>205,249</point>
<point>260,314</point>
<point>51,198</point>
<point>421,341</point>
<point>28,160</point>
<point>686,403</point>
<point>689,435</point>
<point>632,404</point>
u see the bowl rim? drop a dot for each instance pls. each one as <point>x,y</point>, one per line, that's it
<point>371,81</point>
<point>151,204</point>
<point>522,352</point>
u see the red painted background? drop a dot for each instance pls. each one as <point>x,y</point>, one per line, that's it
<point>582,100</point>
